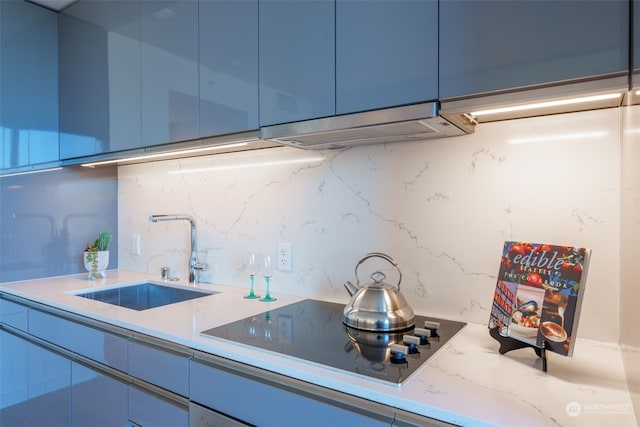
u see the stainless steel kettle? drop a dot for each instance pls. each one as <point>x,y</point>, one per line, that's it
<point>377,306</point>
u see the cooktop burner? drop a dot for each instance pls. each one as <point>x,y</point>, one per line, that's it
<point>313,330</point>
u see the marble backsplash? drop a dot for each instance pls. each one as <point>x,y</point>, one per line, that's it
<point>442,209</point>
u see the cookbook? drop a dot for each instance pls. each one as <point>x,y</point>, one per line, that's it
<point>538,294</point>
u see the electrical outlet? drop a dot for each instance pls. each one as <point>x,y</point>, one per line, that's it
<point>285,256</point>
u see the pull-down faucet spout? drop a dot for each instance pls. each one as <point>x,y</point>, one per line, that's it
<point>194,265</point>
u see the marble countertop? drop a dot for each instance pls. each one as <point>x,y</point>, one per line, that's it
<point>466,383</point>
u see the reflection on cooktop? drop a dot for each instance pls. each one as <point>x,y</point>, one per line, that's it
<point>313,330</point>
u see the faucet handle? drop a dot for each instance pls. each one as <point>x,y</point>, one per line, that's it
<point>200,266</point>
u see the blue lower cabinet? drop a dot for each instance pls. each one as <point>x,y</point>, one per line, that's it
<point>147,409</point>
<point>14,314</point>
<point>164,368</point>
<point>97,399</point>
<point>101,346</point>
<point>258,403</point>
<point>35,384</point>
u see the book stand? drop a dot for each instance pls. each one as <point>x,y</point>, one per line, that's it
<point>507,344</point>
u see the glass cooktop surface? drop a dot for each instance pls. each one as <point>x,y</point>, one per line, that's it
<point>313,330</point>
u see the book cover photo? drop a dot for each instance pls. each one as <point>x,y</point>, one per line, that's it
<point>538,294</point>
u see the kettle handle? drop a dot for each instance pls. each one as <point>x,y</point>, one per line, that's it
<point>383,256</point>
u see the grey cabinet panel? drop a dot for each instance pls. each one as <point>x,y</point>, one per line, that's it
<point>99,77</point>
<point>169,58</point>
<point>35,384</point>
<point>386,53</point>
<point>95,344</point>
<point>297,60</point>
<point>265,405</point>
<point>228,66</point>
<point>29,85</point>
<point>13,314</point>
<point>166,369</point>
<point>496,45</point>
<point>14,374</point>
<point>636,42</point>
<point>97,399</point>
<point>147,409</point>
<point>84,109</point>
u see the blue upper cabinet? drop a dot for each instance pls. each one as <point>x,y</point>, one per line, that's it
<point>228,66</point>
<point>636,43</point>
<point>488,46</point>
<point>99,78</point>
<point>386,53</point>
<point>28,85</point>
<point>169,71</point>
<point>297,60</point>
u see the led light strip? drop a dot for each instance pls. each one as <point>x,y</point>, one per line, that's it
<point>249,165</point>
<point>30,172</point>
<point>165,154</point>
<point>546,104</point>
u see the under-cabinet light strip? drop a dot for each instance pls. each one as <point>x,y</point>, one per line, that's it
<point>30,172</point>
<point>546,104</point>
<point>165,154</point>
<point>249,165</point>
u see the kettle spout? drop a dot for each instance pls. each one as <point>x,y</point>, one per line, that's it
<point>351,288</point>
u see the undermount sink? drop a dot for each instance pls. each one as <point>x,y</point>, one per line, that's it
<point>144,296</point>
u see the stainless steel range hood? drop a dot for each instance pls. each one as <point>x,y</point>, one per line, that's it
<point>407,123</point>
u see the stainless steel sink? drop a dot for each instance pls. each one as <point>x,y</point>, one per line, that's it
<point>144,296</point>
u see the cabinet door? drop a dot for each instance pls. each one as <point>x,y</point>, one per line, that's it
<point>97,399</point>
<point>99,77</point>
<point>490,46</point>
<point>636,43</point>
<point>169,71</point>
<point>29,85</point>
<point>297,60</point>
<point>386,53</point>
<point>83,88</point>
<point>35,384</point>
<point>228,66</point>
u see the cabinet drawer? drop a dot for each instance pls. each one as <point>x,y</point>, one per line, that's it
<point>266,404</point>
<point>96,344</point>
<point>165,368</point>
<point>148,409</point>
<point>14,314</point>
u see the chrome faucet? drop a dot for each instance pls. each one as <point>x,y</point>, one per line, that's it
<point>194,265</point>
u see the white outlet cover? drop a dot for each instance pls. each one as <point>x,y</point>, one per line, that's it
<point>285,257</point>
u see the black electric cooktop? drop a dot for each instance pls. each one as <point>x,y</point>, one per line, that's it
<point>313,330</point>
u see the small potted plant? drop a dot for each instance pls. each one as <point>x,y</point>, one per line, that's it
<point>96,255</point>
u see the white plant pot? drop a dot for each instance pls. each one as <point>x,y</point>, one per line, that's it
<point>96,266</point>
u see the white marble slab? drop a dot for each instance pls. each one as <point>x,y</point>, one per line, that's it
<point>442,209</point>
<point>466,383</point>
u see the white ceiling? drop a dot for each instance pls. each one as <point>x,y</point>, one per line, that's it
<point>54,4</point>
